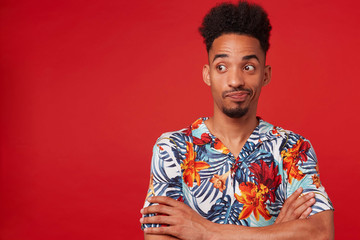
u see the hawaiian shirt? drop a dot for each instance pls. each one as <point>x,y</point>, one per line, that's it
<point>194,166</point>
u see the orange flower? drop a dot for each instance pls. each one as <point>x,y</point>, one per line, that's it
<point>192,167</point>
<point>196,124</point>
<point>252,198</point>
<point>218,145</point>
<point>219,181</point>
<point>292,156</point>
<point>316,180</point>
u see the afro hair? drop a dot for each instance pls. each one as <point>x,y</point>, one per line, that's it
<point>244,18</point>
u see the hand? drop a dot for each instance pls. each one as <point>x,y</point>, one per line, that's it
<point>296,207</point>
<point>182,221</point>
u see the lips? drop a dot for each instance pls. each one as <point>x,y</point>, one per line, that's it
<point>238,96</point>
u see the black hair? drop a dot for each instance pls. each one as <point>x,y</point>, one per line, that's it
<point>244,18</point>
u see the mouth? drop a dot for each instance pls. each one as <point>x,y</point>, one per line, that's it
<point>238,96</point>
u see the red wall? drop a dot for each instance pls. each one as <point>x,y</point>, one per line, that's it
<point>87,87</point>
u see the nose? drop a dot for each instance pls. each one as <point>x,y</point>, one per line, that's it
<point>236,79</point>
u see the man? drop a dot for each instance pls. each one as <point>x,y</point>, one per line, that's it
<point>233,171</point>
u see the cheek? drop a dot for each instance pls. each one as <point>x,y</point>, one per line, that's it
<point>216,88</point>
<point>257,92</point>
<point>216,94</point>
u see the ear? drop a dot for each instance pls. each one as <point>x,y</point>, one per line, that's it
<point>206,74</point>
<point>267,75</point>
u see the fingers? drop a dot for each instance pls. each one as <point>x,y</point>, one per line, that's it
<point>304,200</point>
<point>164,205</point>
<point>296,206</point>
<point>159,209</point>
<point>164,200</point>
<point>303,203</point>
<point>158,219</point>
<point>295,200</point>
<point>306,213</point>
<point>302,212</point>
<point>171,230</point>
<point>295,195</point>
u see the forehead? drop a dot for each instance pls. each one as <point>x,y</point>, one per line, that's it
<point>236,45</point>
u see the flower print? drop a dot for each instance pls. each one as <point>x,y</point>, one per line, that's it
<point>253,200</point>
<point>220,181</point>
<point>253,195</point>
<point>192,167</point>
<point>196,124</point>
<point>266,176</point>
<point>218,145</point>
<point>316,180</point>
<point>291,158</point>
<point>193,126</point>
<point>187,131</point>
<point>205,139</point>
<point>275,131</point>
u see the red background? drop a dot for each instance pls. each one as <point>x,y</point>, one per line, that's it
<point>88,86</point>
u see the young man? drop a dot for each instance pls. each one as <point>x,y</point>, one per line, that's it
<point>233,171</point>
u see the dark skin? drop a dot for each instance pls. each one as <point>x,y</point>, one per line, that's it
<point>237,62</point>
<point>177,216</point>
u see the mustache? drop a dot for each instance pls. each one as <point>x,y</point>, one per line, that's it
<point>237,90</point>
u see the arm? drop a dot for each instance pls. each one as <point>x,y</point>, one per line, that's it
<point>164,178</point>
<point>185,223</point>
<point>318,226</point>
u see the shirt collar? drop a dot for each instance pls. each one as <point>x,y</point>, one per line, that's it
<point>264,131</point>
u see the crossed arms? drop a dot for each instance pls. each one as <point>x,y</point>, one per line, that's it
<point>184,223</point>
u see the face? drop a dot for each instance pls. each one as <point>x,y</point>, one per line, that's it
<point>236,73</point>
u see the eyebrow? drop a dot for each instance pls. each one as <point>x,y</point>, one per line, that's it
<point>247,57</point>
<point>220,56</point>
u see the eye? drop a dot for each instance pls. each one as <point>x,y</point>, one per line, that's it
<point>221,68</point>
<point>249,68</point>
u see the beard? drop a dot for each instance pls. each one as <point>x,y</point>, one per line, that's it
<point>237,112</point>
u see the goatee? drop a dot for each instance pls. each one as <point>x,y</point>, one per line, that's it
<point>237,112</point>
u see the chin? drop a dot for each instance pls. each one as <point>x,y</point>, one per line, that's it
<point>235,112</point>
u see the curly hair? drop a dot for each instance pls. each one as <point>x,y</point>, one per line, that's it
<point>244,18</point>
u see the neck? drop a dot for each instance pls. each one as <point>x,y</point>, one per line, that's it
<point>232,129</point>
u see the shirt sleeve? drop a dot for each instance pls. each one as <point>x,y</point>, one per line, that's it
<point>301,166</point>
<point>165,175</point>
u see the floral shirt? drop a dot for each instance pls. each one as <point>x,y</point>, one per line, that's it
<point>193,166</point>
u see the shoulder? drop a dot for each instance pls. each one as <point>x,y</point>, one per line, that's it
<point>184,135</point>
<point>172,138</point>
<point>288,138</point>
<point>174,141</point>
